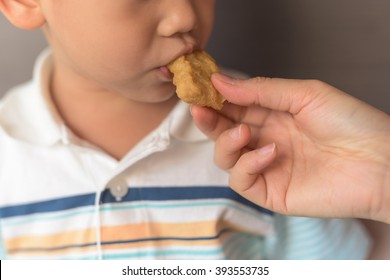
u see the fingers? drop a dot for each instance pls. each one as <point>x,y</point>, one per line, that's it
<point>230,138</point>
<point>272,93</point>
<point>231,152</point>
<point>230,144</point>
<point>245,166</point>
<point>210,122</point>
<point>246,176</point>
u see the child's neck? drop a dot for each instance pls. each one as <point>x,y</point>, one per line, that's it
<point>110,121</point>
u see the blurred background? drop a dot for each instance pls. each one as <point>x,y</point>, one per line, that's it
<point>343,42</point>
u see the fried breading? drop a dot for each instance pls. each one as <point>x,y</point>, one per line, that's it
<point>192,78</point>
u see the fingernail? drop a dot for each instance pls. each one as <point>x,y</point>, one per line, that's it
<point>266,150</point>
<point>235,133</point>
<point>225,79</point>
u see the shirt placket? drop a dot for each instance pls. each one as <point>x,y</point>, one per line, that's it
<point>118,182</point>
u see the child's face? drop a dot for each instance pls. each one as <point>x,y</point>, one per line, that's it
<point>124,45</point>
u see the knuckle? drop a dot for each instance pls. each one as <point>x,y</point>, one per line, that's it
<point>315,86</point>
<point>260,82</point>
<point>260,85</point>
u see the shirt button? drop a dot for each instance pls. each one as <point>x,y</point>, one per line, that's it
<point>118,189</point>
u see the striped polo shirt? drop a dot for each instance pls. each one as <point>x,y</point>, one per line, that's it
<point>63,198</point>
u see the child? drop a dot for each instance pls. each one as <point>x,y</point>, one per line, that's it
<point>99,160</point>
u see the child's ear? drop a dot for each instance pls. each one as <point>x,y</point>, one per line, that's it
<point>25,14</point>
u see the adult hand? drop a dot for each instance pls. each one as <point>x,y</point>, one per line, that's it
<point>301,147</point>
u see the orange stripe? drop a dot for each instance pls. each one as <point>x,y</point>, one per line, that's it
<point>118,233</point>
<point>69,238</point>
<point>154,230</point>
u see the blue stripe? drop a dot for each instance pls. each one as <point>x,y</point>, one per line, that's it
<point>181,193</point>
<point>48,206</point>
<point>133,195</point>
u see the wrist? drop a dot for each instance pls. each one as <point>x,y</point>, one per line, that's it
<point>384,213</point>
<point>386,201</point>
<point>380,187</point>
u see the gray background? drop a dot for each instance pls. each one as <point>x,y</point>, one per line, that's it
<point>343,42</point>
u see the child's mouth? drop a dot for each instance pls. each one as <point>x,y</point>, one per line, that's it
<point>168,76</point>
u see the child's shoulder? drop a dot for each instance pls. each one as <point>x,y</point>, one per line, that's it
<point>14,107</point>
<point>25,117</point>
<point>23,106</point>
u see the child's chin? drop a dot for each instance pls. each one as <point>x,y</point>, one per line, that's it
<point>160,95</point>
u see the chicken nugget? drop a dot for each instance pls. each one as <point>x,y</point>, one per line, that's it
<point>192,78</point>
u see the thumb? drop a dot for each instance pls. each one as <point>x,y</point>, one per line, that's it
<point>272,93</point>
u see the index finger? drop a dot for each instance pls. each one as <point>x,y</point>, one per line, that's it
<point>273,93</point>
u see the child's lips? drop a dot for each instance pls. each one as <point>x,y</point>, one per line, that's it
<point>186,50</point>
<point>166,73</point>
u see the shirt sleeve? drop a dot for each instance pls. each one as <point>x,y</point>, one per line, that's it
<point>302,238</point>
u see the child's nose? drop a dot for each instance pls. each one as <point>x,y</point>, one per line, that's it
<point>179,17</point>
